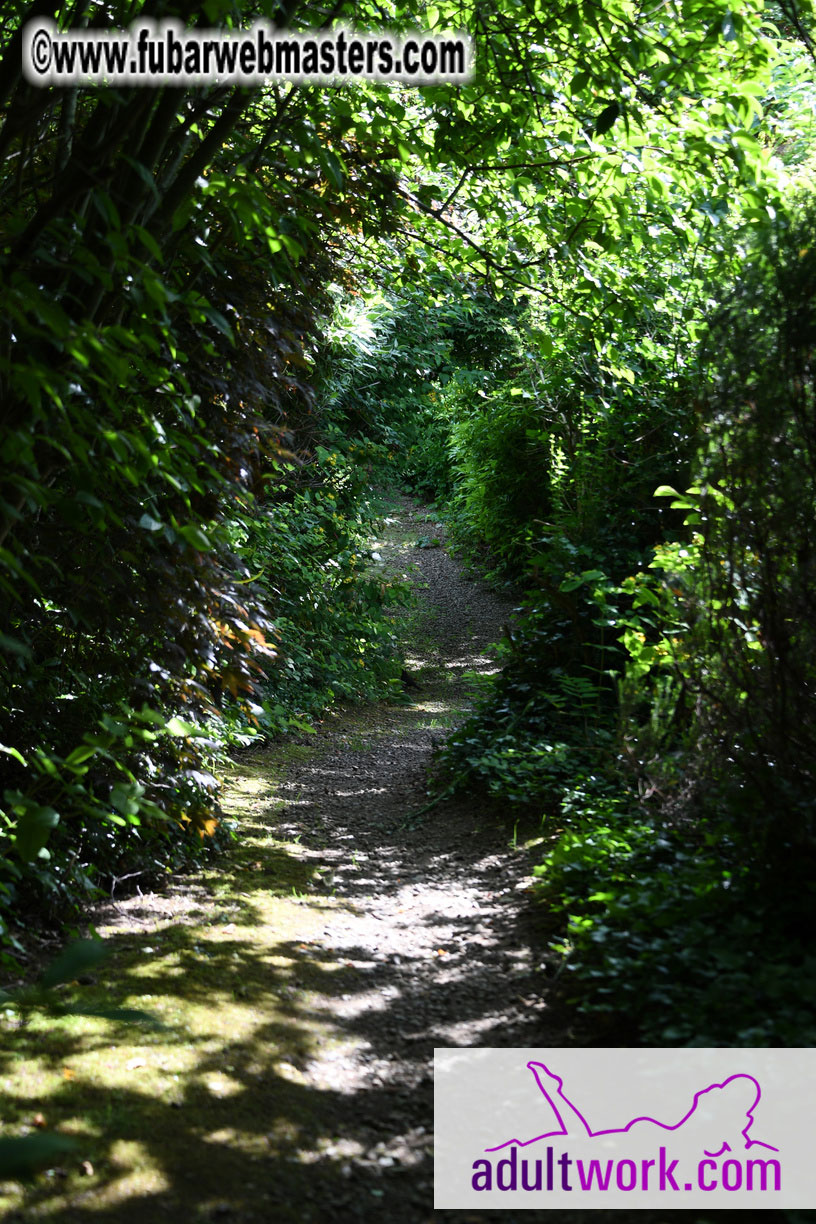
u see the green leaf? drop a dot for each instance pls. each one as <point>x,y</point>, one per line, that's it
<point>125,796</point>
<point>606,118</point>
<point>334,170</point>
<point>149,523</point>
<point>23,1157</point>
<point>177,726</point>
<point>74,961</point>
<point>81,753</point>
<point>130,1015</point>
<point>18,756</point>
<point>728,27</point>
<point>14,646</point>
<point>145,175</point>
<point>194,535</point>
<point>33,830</point>
<point>148,241</point>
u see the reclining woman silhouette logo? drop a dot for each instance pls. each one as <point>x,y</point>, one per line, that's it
<point>720,1118</point>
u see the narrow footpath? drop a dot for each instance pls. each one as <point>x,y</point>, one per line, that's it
<point>431,929</point>
<point>304,984</point>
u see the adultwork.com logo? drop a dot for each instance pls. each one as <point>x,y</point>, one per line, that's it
<point>718,1122</point>
<point>624,1128</point>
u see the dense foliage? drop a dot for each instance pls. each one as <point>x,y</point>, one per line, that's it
<point>537,297</point>
<point>654,700</point>
<point>656,694</point>
<point>164,262</point>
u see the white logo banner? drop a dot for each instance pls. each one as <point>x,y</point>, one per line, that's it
<point>624,1128</point>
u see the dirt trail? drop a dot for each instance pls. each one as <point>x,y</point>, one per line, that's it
<point>432,922</point>
<point>305,983</point>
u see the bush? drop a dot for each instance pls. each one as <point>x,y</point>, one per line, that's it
<point>309,549</point>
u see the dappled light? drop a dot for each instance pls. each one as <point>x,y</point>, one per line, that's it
<point>302,986</point>
<point>407,581</point>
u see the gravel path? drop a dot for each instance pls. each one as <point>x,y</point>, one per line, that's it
<point>435,924</point>
<point>305,979</point>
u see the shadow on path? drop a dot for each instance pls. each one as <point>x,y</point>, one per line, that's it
<point>305,983</point>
